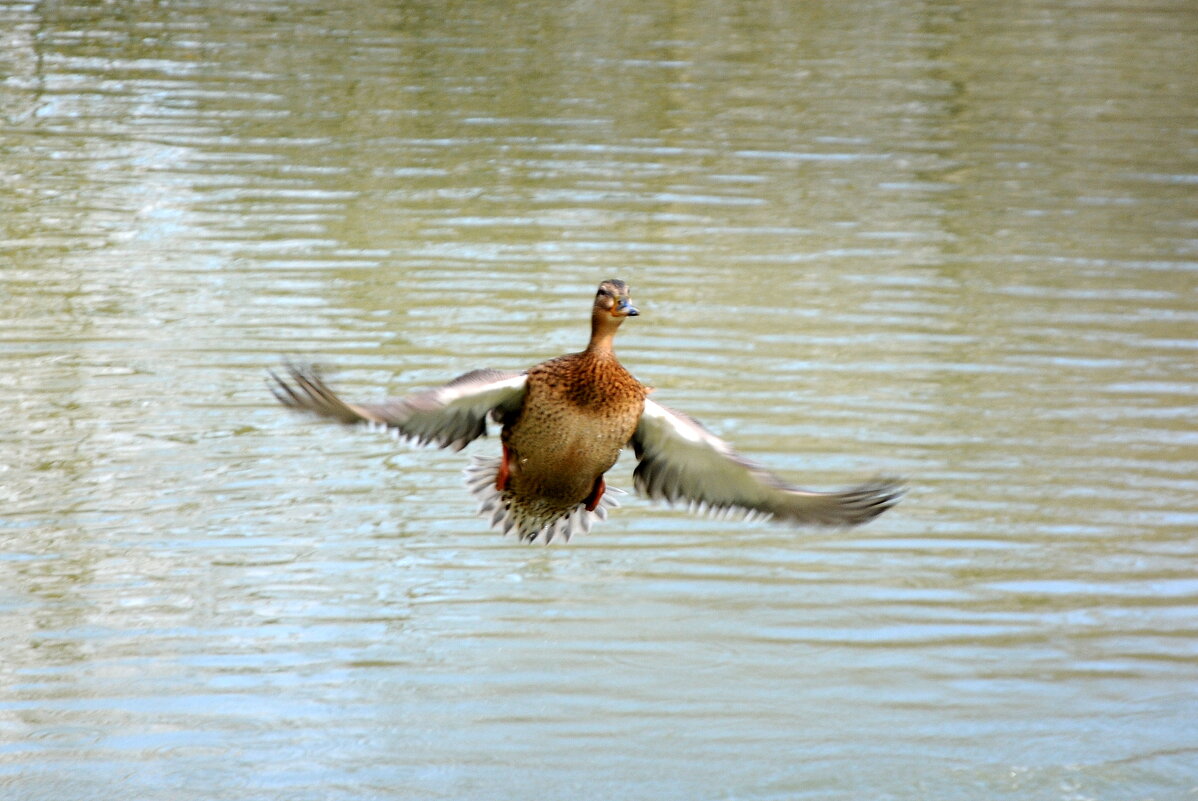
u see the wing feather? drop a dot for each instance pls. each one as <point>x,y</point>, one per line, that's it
<point>682,462</point>
<point>450,416</point>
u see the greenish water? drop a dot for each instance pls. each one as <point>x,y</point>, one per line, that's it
<point>951,241</point>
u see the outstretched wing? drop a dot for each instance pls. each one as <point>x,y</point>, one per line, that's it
<point>450,416</point>
<point>680,461</point>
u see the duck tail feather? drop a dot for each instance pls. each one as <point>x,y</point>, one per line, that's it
<point>535,521</point>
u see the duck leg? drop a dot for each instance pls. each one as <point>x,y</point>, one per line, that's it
<point>596,494</point>
<point>504,476</point>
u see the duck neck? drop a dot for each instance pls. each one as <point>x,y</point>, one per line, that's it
<point>603,331</point>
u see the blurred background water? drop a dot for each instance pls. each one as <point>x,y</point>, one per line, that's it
<point>954,241</point>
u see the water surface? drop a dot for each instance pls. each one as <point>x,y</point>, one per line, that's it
<point>953,242</point>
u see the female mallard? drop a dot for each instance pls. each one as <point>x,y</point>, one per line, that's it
<point>565,422</point>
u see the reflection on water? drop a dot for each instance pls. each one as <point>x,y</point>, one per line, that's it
<point>946,241</point>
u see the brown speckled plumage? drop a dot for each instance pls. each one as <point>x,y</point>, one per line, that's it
<point>579,413</point>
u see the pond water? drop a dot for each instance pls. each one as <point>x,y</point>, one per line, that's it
<point>951,241</point>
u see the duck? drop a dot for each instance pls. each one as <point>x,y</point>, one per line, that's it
<point>564,423</point>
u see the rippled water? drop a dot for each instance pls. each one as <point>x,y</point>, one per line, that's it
<point>955,242</point>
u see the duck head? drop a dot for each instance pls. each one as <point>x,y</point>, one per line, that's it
<point>614,299</point>
<point>613,302</point>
